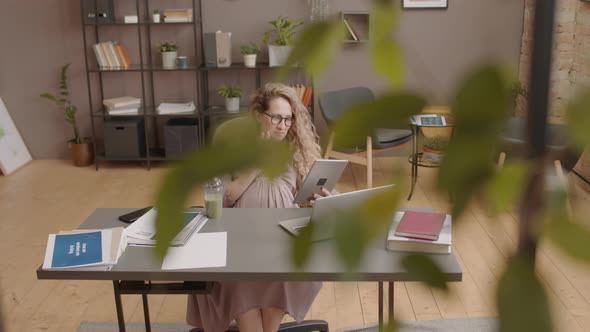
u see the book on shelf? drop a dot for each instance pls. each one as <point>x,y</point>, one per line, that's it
<point>178,19</point>
<point>120,57</point>
<point>420,225</point>
<point>111,55</point>
<point>125,111</point>
<point>96,249</point>
<point>350,30</point>
<point>176,108</point>
<point>119,102</point>
<point>177,12</point>
<point>142,232</point>
<point>401,243</point>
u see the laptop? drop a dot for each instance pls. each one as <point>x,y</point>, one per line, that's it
<point>324,207</point>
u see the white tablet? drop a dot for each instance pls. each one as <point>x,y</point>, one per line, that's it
<point>324,173</point>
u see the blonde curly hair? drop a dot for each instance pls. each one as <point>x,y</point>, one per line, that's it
<point>302,135</point>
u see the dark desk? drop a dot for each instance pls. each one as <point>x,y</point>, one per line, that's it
<point>257,250</point>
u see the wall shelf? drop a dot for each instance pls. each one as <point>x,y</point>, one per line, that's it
<point>356,25</point>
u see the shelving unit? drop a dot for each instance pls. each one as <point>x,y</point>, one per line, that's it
<point>144,65</point>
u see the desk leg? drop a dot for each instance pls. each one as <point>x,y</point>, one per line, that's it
<point>414,160</point>
<point>380,305</point>
<point>119,306</point>
<point>146,313</point>
<point>390,314</point>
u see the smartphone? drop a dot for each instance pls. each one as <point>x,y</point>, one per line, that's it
<point>133,216</point>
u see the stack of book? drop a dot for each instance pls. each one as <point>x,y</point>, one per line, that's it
<point>94,249</point>
<point>175,108</point>
<point>420,232</point>
<point>303,92</point>
<point>111,55</point>
<point>122,105</point>
<point>178,15</point>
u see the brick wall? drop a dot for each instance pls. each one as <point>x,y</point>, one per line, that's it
<point>571,60</point>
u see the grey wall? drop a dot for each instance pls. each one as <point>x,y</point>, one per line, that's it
<point>439,47</point>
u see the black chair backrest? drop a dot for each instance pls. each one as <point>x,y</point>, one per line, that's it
<point>334,102</point>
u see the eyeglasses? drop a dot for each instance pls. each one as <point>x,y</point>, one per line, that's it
<point>276,119</point>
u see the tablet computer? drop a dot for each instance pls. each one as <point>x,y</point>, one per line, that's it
<point>324,173</point>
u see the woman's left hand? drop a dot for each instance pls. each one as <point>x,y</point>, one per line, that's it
<point>323,193</point>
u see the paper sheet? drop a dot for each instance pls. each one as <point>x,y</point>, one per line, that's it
<point>202,250</point>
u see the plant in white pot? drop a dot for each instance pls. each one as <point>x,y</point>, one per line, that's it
<point>280,47</point>
<point>81,150</point>
<point>434,148</point>
<point>232,96</point>
<point>249,51</point>
<point>169,54</point>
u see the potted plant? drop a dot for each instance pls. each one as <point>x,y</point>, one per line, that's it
<point>80,148</point>
<point>232,96</point>
<point>156,16</point>
<point>434,148</point>
<point>249,51</point>
<point>282,32</point>
<point>169,54</point>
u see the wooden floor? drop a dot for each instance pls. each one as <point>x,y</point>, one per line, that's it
<point>49,196</point>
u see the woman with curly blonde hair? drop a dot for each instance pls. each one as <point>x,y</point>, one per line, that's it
<point>260,306</point>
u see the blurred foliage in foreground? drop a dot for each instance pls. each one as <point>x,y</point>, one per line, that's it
<point>480,109</point>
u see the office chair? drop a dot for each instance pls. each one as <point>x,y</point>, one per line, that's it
<point>559,150</point>
<point>333,103</point>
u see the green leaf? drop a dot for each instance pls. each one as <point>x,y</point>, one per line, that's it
<point>571,237</point>
<point>578,119</point>
<point>480,111</point>
<point>422,268</point>
<point>522,302</point>
<point>385,52</point>
<point>506,186</point>
<point>360,121</point>
<point>378,210</point>
<point>352,236</point>
<point>315,48</point>
<point>301,246</point>
<point>49,96</point>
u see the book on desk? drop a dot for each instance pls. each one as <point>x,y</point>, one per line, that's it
<point>411,242</point>
<point>94,249</point>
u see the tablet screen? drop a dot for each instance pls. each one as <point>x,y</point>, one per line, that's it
<point>323,174</point>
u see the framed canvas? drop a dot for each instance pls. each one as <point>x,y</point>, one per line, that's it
<point>425,4</point>
<point>13,151</point>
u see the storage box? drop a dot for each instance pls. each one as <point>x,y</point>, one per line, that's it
<point>217,49</point>
<point>180,136</point>
<point>124,137</point>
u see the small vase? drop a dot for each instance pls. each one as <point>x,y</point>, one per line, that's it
<point>156,18</point>
<point>250,60</point>
<point>169,60</point>
<point>232,105</point>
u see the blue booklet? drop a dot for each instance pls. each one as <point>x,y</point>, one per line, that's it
<point>77,249</point>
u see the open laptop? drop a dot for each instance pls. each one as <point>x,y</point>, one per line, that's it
<point>325,206</point>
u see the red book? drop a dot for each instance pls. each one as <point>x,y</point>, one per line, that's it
<point>420,225</point>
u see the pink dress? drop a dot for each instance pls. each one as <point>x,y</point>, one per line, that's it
<point>227,300</point>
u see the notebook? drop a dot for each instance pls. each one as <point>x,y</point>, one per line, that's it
<point>420,225</point>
